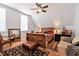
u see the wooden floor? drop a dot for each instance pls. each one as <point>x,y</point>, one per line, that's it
<point>51,51</point>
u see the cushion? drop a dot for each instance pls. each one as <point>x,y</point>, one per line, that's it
<point>49,32</point>
<point>6,38</point>
<point>76,39</point>
<point>5,42</point>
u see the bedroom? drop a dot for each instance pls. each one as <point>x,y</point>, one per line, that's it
<point>57,16</point>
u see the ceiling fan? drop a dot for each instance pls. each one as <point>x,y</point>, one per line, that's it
<point>40,8</point>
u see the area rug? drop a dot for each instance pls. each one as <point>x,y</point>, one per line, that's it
<point>20,51</point>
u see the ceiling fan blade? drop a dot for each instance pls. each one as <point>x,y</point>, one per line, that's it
<point>44,11</point>
<point>37,12</point>
<point>37,4</point>
<point>40,5</point>
<point>34,8</point>
<point>45,6</point>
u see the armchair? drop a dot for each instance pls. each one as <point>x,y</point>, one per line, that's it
<point>63,45</point>
<point>65,42</point>
<point>3,42</point>
<point>69,45</point>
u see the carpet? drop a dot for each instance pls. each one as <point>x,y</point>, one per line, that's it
<point>20,51</point>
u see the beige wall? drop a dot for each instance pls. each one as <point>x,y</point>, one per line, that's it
<point>61,12</point>
<point>76,20</point>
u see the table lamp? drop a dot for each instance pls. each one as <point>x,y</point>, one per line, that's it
<point>56,26</point>
<point>39,30</point>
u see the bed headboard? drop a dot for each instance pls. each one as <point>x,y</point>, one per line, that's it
<point>47,29</point>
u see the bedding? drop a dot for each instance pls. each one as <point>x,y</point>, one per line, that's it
<point>49,33</point>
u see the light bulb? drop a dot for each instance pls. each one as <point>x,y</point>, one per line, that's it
<point>57,23</point>
<point>39,9</point>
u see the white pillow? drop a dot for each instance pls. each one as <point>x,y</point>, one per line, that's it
<point>76,39</point>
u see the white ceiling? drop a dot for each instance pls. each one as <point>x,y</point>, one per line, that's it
<point>24,7</point>
<point>61,12</point>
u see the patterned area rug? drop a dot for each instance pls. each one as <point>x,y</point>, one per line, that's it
<point>20,51</point>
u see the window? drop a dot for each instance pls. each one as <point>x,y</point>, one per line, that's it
<point>2,19</point>
<point>24,22</point>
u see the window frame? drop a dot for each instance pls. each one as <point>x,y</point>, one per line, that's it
<point>24,22</point>
<point>4,20</point>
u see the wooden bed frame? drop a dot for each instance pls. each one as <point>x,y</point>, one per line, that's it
<point>47,29</point>
<point>41,38</point>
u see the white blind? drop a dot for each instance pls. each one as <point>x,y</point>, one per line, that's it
<point>24,22</point>
<point>2,19</point>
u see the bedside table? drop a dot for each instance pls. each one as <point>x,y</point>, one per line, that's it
<point>58,36</point>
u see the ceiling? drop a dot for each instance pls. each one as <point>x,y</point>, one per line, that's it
<point>24,7</point>
<point>61,12</point>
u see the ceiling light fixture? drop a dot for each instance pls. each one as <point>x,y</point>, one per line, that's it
<point>40,8</point>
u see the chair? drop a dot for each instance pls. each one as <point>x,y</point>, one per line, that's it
<point>3,42</point>
<point>63,45</point>
<point>66,40</point>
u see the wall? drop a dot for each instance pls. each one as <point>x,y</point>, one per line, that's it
<point>61,12</point>
<point>76,20</point>
<point>13,21</point>
<point>31,27</point>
